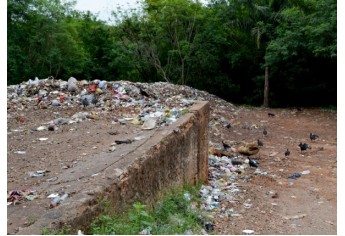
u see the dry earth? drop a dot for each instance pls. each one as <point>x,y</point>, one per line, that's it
<point>312,198</point>
<point>306,205</point>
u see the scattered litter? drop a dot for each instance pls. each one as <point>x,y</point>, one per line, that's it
<point>305,172</point>
<point>20,152</point>
<point>53,195</point>
<point>18,196</point>
<point>273,154</point>
<point>329,222</point>
<point>52,179</point>
<point>209,227</point>
<point>57,200</point>
<point>294,217</point>
<point>149,123</point>
<point>38,173</point>
<point>294,176</point>
<point>41,128</point>
<point>128,141</point>
<point>146,231</point>
<point>248,231</point>
<point>42,139</point>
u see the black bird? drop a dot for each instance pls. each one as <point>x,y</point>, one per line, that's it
<point>94,101</point>
<point>85,102</point>
<point>271,114</point>
<point>253,163</point>
<point>313,136</point>
<point>265,132</point>
<point>225,146</point>
<point>287,152</point>
<point>260,143</point>
<point>304,146</point>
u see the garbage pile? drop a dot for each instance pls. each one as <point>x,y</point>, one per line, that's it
<point>222,187</point>
<point>155,104</point>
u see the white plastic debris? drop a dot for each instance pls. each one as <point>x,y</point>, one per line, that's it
<point>20,152</point>
<point>149,123</point>
<point>53,195</point>
<point>42,128</point>
<point>248,231</point>
<point>305,172</point>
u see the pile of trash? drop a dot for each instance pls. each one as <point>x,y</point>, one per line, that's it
<point>222,186</point>
<point>157,104</point>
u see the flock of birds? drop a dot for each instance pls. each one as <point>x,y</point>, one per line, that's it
<point>253,163</point>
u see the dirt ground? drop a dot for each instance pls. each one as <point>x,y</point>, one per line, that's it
<point>275,200</point>
<point>279,205</point>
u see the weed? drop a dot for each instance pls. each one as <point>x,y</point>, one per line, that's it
<point>63,231</point>
<point>175,213</point>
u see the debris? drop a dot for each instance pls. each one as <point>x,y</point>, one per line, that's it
<point>20,152</point>
<point>38,173</point>
<point>18,196</point>
<point>248,231</point>
<point>294,217</point>
<point>305,172</point>
<point>209,227</point>
<point>149,123</point>
<point>329,222</point>
<point>56,200</point>
<point>128,141</point>
<point>248,149</point>
<point>294,176</point>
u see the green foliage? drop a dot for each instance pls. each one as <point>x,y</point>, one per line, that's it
<point>62,231</point>
<point>222,47</point>
<point>172,215</point>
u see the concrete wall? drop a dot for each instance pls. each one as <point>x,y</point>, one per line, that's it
<point>174,155</point>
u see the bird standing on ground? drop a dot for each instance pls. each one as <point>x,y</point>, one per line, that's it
<point>85,102</point>
<point>304,146</point>
<point>225,146</point>
<point>313,136</point>
<point>287,152</point>
<point>253,163</point>
<point>265,132</point>
<point>260,143</point>
<point>94,101</point>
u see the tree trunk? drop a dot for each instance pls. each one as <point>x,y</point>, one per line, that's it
<point>266,90</point>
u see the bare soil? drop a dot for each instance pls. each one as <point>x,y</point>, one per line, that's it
<point>275,199</point>
<point>306,205</point>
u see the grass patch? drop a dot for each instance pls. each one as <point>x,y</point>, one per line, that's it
<point>63,231</point>
<point>176,213</point>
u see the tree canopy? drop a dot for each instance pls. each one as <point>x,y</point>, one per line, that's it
<point>223,46</point>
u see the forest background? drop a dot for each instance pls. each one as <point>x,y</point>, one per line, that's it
<point>224,47</point>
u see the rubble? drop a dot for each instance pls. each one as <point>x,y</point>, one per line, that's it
<point>152,105</point>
